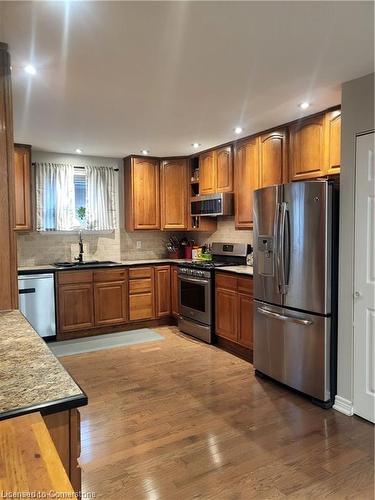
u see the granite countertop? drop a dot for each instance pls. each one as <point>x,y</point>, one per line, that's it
<point>248,270</point>
<point>31,377</point>
<point>44,268</point>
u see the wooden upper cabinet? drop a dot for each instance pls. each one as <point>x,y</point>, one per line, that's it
<point>307,148</point>
<point>216,171</point>
<point>273,157</point>
<point>224,170</point>
<point>246,179</point>
<point>162,291</point>
<point>207,173</point>
<point>142,203</point>
<point>174,194</point>
<point>333,141</point>
<point>22,179</point>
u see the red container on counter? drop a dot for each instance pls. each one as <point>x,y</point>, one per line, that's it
<point>187,251</point>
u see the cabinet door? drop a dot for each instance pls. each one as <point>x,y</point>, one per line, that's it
<point>333,141</point>
<point>246,172</point>
<point>207,177</point>
<point>224,170</point>
<point>75,306</point>
<point>141,306</point>
<point>162,283</point>
<point>22,178</point>
<point>272,158</point>
<point>226,314</point>
<point>110,303</point>
<point>245,320</point>
<point>174,194</point>
<point>307,158</point>
<point>175,309</point>
<point>145,191</point>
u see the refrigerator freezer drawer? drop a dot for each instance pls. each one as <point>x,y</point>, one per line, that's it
<point>293,348</point>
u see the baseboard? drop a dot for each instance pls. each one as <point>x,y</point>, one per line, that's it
<point>343,406</point>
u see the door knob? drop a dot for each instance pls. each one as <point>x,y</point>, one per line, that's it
<point>357,294</point>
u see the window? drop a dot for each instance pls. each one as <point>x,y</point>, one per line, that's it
<point>69,198</point>
<point>80,187</point>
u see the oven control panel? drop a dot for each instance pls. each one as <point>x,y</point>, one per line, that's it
<point>197,273</point>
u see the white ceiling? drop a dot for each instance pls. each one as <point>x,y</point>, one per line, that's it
<point>116,77</point>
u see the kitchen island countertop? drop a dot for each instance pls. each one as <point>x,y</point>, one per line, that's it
<point>31,377</point>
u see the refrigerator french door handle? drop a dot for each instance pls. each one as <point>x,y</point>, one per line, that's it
<point>283,217</point>
<point>283,317</point>
<point>278,239</point>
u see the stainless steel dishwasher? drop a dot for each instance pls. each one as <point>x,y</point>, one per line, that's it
<point>37,302</point>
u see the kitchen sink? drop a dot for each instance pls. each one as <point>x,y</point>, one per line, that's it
<point>87,263</point>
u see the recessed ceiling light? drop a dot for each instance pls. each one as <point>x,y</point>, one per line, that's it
<point>304,105</point>
<point>145,151</point>
<point>238,130</point>
<point>30,69</point>
<point>79,151</point>
<point>196,145</point>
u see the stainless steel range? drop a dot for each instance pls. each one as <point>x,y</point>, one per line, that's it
<point>196,288</point>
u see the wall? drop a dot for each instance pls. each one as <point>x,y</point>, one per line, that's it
<point>357,116</point>
<point>42,248</point>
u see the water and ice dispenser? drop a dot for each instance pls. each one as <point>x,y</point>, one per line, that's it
<point>265,255</point>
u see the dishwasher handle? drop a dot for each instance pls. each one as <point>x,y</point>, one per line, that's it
<point>26,290</point>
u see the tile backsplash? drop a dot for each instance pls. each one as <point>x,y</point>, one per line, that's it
<point>44,248</point>
<point>225,232</point>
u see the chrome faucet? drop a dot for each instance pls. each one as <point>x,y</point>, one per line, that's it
<point>80,242</point>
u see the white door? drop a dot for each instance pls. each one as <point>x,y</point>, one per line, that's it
<point>364,280</point>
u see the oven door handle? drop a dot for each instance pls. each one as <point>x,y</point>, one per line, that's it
<point>194,280</point>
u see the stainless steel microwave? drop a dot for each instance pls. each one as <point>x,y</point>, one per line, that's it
<point>213,205</point>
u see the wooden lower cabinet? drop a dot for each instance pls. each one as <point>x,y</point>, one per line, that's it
<point>88,300</point>
<point>65,430</point>
<point>162,282</point>
<point>141,293</point>
<point>175,302</point>
<point>110,303</point>
<point>245,320</point>
<point>234,309</point>
<point>75,307</point>
<point>226,314</point>
<point>141,306</point>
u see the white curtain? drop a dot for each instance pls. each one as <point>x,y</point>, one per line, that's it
<point>55,202</point>
<point>101,198</point>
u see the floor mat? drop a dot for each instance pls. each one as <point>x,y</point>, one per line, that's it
<point>106,341</point>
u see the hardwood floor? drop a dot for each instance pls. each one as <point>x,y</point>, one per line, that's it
<point>177,419</point>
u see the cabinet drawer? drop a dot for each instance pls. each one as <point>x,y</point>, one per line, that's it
<point>141,307</point>
<point>66,277</point>
<point>140,286</point>
<point>227,281</point>
<point>140,272</point>
<point>245,285</point>
<point>110,275</point>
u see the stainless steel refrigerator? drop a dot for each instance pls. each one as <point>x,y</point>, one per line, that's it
<point>295,286</point>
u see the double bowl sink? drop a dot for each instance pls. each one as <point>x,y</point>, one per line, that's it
<point>86,264</point>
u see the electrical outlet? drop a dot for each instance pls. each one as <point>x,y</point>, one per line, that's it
<point>139,244</point>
